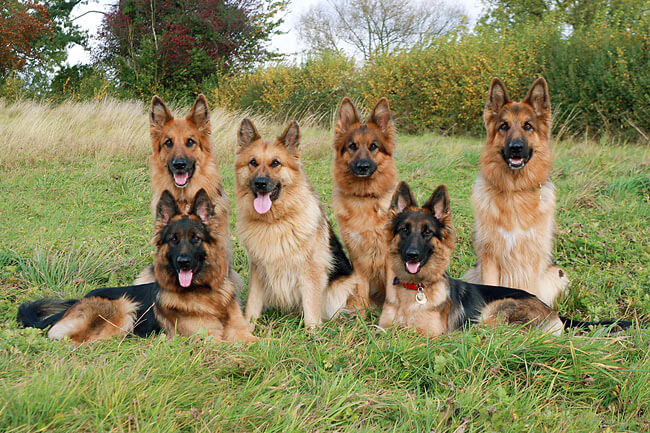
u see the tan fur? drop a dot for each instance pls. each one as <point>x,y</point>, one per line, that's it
<point>439,315</point>
<point>210,305</point>
<point>515,209</point>
<point>95,318</point>
<point>361,204</point>
<point>195,126</point>
<point>288,247</point>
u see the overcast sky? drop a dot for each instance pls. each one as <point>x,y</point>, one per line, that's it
<point>287,43</point>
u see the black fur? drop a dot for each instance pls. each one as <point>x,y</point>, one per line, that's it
<point>579,324</point>
<point>36,314</point>
<point>341,264</point>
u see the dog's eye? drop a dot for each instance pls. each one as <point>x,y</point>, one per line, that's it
<point>373,146</point>
<point>426,232</point>
<point>352,146</point>
<point>190,142</point>
<point>195,239</point>
<point>403,229</point>
<point>504,126</point>
<point>169,143</point>
<point>253,162</point>
<point>275,163</point>
<point>528,126</point>
<point>173,239</point>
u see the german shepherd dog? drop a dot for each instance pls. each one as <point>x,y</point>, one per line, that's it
<point>182,164</point>
<point>364,177</point>
<point>191,291</point>
<point>514,198</point>
<point>423,296</point>
<point>295,259</point>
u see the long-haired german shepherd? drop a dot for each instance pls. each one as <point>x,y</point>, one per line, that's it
<point>423,296</point>
<point>295,259</point>
<point>514,198</point>
<point>182,164</point>
<point>191,291</point>
<point>364,177</point>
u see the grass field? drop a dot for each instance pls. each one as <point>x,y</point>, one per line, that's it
<point>75,215</point>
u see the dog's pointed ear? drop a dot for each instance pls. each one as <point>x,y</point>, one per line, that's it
<point>159,114</point>
<point>166,208</point>
<point>247,133</point>
<point>382,117</point>
<point>497,97</point>
<point>539,99</point>
<point>202,206</point>
<point>200,113</point>
<point>291,137</point>
<point>402,199</point>
<point>438,204</point>
<point>346,116</point>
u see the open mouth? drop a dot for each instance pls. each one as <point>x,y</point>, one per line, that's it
<point>185,277</point>
<point>413,267</point>
<point>516,163</point>
<point>264,200</point>
<point>182,179</point>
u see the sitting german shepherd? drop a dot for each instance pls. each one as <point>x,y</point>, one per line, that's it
<point>296,260</point>
<point>423,296</point>
<point>191,291</point>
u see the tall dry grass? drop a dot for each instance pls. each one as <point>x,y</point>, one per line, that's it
<point>32,131</point>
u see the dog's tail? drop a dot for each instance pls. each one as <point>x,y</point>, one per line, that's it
<point>337,295</point>
<point>43,312</point>
<point>616,325</point>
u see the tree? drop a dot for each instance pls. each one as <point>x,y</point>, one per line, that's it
<point>375,27</point>
<point>173,45</point>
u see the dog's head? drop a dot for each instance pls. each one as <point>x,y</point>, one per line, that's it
<point>364,151</point>
<point>518,132</point>
<point>421,239</point>
<point>266,171</point>
<point>180,145</point>
<point>185,244</point>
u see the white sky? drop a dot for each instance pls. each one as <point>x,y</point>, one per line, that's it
<point>287,43</point>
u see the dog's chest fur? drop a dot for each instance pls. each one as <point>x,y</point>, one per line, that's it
<point>429,319</point>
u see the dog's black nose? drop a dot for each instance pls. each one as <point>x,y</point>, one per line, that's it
<point>179,164</point>
<point>363,165</point>
<point>516,146</point>
<point>183,262</point>
<point>412,255</point>
<point>261,183</point>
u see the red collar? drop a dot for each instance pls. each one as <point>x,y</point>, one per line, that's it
<point>410,286</point>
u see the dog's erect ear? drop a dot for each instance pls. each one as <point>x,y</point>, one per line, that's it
<point>200,113</point>
<point>291,137</point>
<point>402,199</point>
<point>247,133</point>
<point>166,207</point>
<point>346,116</point>
<point>497,97</point>
<point>539,98</point>
<point>438,204</point>
<point>202,206</point>
<point>382,117</point>
<point>159,114</point>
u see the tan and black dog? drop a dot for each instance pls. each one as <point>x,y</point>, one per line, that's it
<point>422,295</point>
<point>514,198</point>
<point>182,163</point>
<point>192,291</point>
<point>296,261</point>
<point>364,178</point>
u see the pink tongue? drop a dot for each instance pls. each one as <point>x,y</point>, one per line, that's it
<point>412,267</point>
<point>185,278</point>
<point>262,203</point>
<point>181,178</point>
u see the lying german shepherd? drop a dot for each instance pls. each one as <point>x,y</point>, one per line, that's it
<point>191,291</point>
<point>365,177</point>
<point>295,259</point>
<point>182,164</point>
<point>514,198</point>
<point>424,297</point>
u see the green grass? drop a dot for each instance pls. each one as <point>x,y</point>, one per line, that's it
<point>78,219</point>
